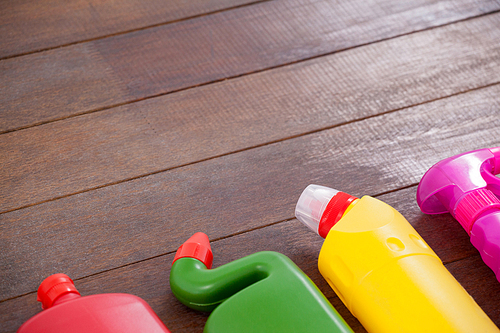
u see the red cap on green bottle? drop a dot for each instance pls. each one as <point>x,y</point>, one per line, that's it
<point>197,247</point>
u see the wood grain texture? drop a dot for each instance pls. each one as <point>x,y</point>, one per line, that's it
<point>77,154</point>
<point>128,222</point>
<point>149,279</point>
<point>28,26</point>
<point>102,73</point>
<point>124,130</point>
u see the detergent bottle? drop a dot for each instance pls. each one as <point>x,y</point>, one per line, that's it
<point>263,292</point>
<point>382,269</point>
<point>64,310</point>
<point>465,186</point>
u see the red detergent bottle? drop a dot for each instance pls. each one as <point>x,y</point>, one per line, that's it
<point>64,310</point>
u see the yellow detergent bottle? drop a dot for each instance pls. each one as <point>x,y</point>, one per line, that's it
<point>382,269</point>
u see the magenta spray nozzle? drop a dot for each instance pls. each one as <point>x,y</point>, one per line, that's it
<point>465,185</point>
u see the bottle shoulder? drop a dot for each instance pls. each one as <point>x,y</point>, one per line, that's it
<point>366,215</point>
<point>97,313</point>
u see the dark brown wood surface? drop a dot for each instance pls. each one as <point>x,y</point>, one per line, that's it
<point>128,126</point>
<point>99,74</point>
<point>29,26</point>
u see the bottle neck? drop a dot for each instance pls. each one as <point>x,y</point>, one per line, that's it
<point>473,205</point>
<point>338,206</point>
<point>65,298</point>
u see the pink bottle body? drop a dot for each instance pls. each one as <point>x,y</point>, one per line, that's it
<point>465,186</point>
<point>67,311</point>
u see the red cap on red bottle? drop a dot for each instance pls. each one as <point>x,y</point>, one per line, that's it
<point>53,287</point>
<point>197,247</point>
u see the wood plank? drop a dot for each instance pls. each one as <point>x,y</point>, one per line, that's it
<point>149,279</point>
<point>29,26</point>
<point>107,72</point>
<point>128,222</point>
<point>94,150</point>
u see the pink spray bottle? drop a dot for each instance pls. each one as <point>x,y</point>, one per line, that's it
<point>465,185</point>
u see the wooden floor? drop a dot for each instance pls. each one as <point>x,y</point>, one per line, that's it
<point>127,126</point>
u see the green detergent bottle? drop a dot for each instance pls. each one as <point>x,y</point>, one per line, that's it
<point>263,292</point>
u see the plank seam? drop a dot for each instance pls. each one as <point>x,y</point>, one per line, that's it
<point>158,256</point>
<point>35,124</point>
<point>311,132</point>
<point>133,30</point>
